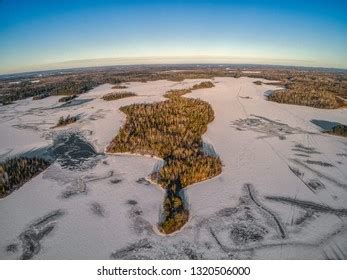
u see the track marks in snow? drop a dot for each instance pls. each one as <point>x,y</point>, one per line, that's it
<point>133,249</point>
<point>320,174</point>
<point>281,229</point>
<point>309,205</point>
<point>30,239</point>
<point>139,224</point>
<point>334,252</point>
<point>97,209</point>
<point>267,127</point>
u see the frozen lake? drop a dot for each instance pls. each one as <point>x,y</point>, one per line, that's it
<point>281,195</point>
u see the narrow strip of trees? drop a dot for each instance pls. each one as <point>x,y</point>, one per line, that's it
<point>117,95</point>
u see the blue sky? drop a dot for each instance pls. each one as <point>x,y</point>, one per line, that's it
<point>38,34</point>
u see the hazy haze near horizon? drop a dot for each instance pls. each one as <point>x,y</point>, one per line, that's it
<point>40,35</point>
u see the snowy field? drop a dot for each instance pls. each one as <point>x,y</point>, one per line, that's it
<point>282,193</point>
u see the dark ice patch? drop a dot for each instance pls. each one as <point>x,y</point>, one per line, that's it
<point>97,209</point>
<point>74,102</point>
<point>324,125</point>
<point>72,150</point>
<point>30,239</point>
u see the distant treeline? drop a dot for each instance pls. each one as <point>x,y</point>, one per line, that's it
<point>298,81</point>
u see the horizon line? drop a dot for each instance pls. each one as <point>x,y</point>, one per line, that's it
<point>157,60</point>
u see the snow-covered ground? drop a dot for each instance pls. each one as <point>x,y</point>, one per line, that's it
<point>282,192</point>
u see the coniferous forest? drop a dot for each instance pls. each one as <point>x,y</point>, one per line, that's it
<point>16,171</point>
<point>172,130</point>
